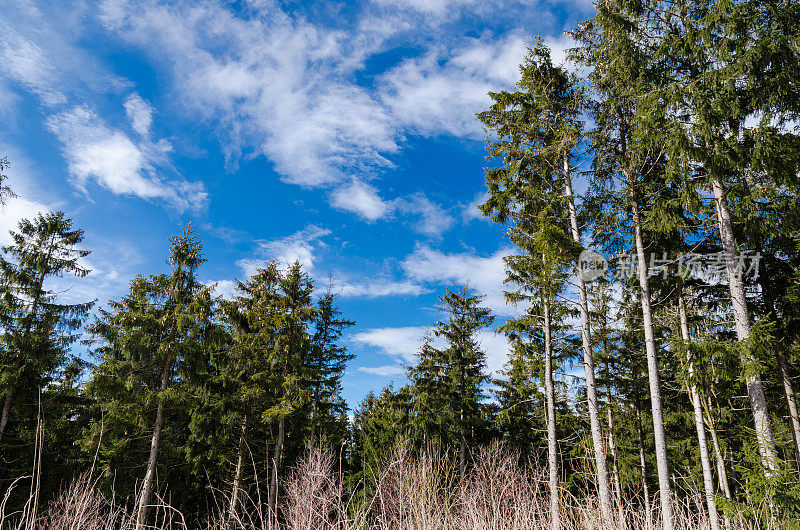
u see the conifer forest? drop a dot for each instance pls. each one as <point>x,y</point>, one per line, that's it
<point>648,186</point>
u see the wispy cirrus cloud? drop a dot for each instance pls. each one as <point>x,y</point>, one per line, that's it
<point>440,92</point>
<point>279,86</point>
<point>39,55</point>
<point>118,163</point>
<point>400,343</point>
<point>379,288</point>
<point>388,370</point>
<point>305,246</point>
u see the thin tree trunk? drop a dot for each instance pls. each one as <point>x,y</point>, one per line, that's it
<point>147,484</point>
<point>612,448</point>
<point>755,390</point>
<point>788,391</point>
<point>552,447</point>
<point>659,434</point>
<point>276,463</point>
<point>722,470</point>
<point>237,478</point>
<point>462,451</point>
<point>705,461</point>
<point>6,412</point>
<point>643,465</point>
<point>593,406</point>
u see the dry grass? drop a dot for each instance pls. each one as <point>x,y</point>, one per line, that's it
<point>410,492</point>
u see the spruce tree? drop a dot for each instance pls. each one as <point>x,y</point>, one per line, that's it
<point>453,376</point>
<point>38,328</point>
<point>740,53</point>
<point>253,318</point>
<point>149,343</point>
<point>325,363</point>
<point>627,156</point>
<point>295,317</point>
<point>536,131</point>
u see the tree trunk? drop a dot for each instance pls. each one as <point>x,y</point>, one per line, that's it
<point>147,484</point>
<point>755,389</point>
<point>462,451</point>
<point>237,478</point>
<point>643,465</point>
<point>705,461</point>
<point>276,463</point>
<point>552,447</point>
<point>659,435</point>
<point>722,470</point>
<point>6,412</point>
<point>593,406</point>
<point>794,419</point>
<point>612,448</point>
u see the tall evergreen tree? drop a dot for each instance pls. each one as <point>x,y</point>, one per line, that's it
<point>150,342</point>
<point>739,53</point>
<point>38,328</point>
<point>455,374</point>
<point>326,362</point>
<point>295,318</point>
<point>627,161</point>
<point>254,317</point>
<point>536,131</point>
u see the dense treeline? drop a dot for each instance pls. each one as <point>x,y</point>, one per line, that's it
<point>675,155</point>
<point>189,395</point>
<point>685,127</point>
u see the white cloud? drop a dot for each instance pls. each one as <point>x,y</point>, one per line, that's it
<point>38,51</point>
<point>7,101</point>
<point>27,63</point>
<point>440,92</point>
<point>437,8</point>
<point>140,114</point>
<point>360,198</point>
<point>388,370</point>
<point>299,246</point>
<point>40,54</point>
<point>117,163</point>
<point>470,212</point>
<point>484,274</point>
<point>378,288</point>
<point>277,86</point>
<point>433,219</point>
<point>401,343</point>
<point>15,210</point>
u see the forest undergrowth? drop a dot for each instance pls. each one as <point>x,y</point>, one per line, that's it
<point>411,490</point>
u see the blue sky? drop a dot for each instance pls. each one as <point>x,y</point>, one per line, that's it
<point>340,134</point>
